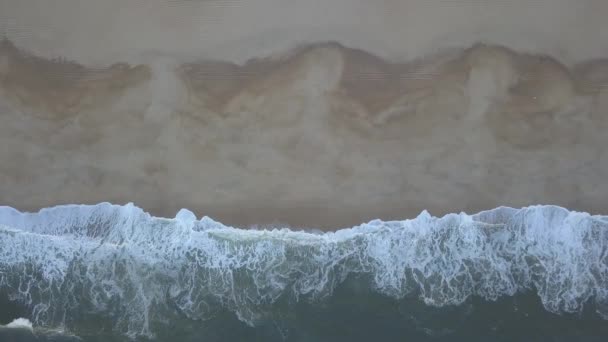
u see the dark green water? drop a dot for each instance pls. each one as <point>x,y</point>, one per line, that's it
<point>355,315</point>
<point>114,273</point>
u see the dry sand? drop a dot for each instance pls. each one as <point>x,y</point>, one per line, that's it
<point>258,113</point>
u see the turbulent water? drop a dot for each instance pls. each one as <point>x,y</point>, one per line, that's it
<point>290,114</point>
<point>109,272</point>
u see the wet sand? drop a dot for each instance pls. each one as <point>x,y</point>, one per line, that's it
<point>322,128</point>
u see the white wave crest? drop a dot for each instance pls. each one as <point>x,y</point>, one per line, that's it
<point>20,323</point>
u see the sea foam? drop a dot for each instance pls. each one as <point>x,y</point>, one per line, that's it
<point>119,262</point>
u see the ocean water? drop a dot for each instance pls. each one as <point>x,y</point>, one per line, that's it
<point>115,273</point>
<point>292,111</point>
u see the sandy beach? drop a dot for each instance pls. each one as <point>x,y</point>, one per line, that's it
<point>255,113</point>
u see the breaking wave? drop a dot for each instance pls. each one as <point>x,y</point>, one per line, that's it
<point>135,272</point>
